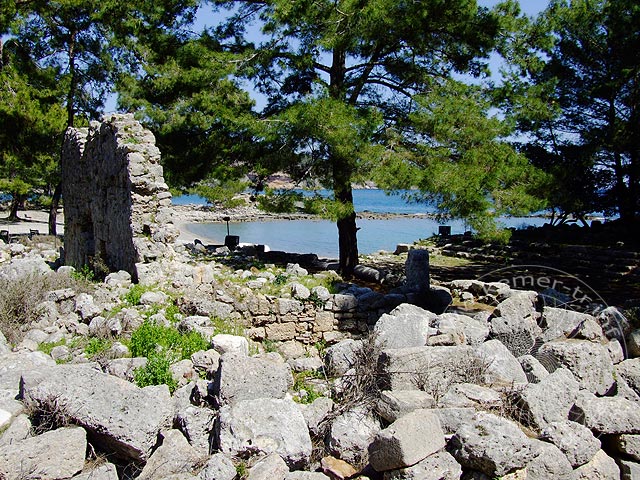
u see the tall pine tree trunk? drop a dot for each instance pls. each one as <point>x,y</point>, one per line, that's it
<point>342,172</point>
<point>53,210</point>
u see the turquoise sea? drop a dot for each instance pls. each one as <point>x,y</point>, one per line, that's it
<point>321,236</point>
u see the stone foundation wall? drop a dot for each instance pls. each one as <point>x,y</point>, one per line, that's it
<point>116,203</point>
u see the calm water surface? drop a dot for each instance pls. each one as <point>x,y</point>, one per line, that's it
<point>321,236</point>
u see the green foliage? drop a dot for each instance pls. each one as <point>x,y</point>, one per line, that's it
<point>97,346</point>
<point>149,338</point>
<point>462,160</point>
<point>572,88</point>
<point>46,347</point>
<point>133,296</point>
<point>301,384</point>
<point>279,201</point>
<point>85,273</point>
<point>221,192</point>
<point>156,372</point>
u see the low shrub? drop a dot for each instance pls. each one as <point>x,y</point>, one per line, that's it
<point>20,299</point>
<point>156,372</point>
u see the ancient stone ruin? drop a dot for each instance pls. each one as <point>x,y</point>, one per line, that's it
<point>116,203</point>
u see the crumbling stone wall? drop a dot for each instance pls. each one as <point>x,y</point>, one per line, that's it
<point>116,203</point>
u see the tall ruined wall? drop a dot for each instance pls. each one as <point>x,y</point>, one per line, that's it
<point>116,203</point>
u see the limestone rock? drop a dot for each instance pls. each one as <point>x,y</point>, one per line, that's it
<point>609,415</point>
<point>560,323</point>
<point>394,404</point>
<point>502,368</point>
<point>539,407</point>
<point>402,331</point>
<point>407,441</point>
<point>533,369</point>
<point>118,416</point>
<point>514,322</point>
<point>219,467</point>
<point>469,395</point>
<point>601,467</point>
<point>425,367</point>
<point>300,475</point>
<point>106,471</point>
<point>264,425</point>
<point>473,330</point>
<point>451,419</point>
<point>629,445</point>
<point>316,413</point>
<point>196,423</point>
<point>341,357</point>
<point>351,434</point>
<point>271,467</point>
<point>549,462</point>
<point>491,444</point>
<point>337,469</point>
<point>224,343</point>
<point>54,455</point>
<point>175,455</point>
<point>18,430</point>
<point>439,466</point>
<point>629,370</point>
<point>629,470</point>
<point>589,362</point>
<point>246,378</point>
<point>574,440</point>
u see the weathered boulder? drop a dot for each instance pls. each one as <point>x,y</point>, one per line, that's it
<point>559,323</point>
<point>601,467</point>
<point>533,369</point>
<point>514,322</point>
<point>629,445</point>
<point>246,378</point>
<point>549,463</point>
<point>225,343</point>
<point>351,434</point>
<point>492,445</point>
<point>18,430</point>
<point>629,470</point>
<point>264,425</point>
<point>300,475</point>
<point>463,395</point>
<point>12,366</point>
<point>629,371</point>
<point>337,469</point>
<point>473,330</point>
<point>498,365</point>
<point>539,408</point>
<point>439,466</point>
<point>271,467</point>
<point>451,419</point>
<point>54,455</point>
<point>105,471</point>
<point>402,331</point>
<point>407,441</point>
<point>341,357</point>
<point>589,362</point>
<point>218,467</point>
<point>574,440</point>
<point>417,270</point>
<point>196,423</point>
<point>426,368</point>
<point>316,412</point>
<point>174,455</point>
<point>394,404</point>
<point>608,415</point>
<point>118,416</point>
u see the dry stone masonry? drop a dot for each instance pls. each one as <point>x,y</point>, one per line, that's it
<point>116,203</point>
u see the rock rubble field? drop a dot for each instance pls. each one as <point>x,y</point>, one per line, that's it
<point>217,366</point>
